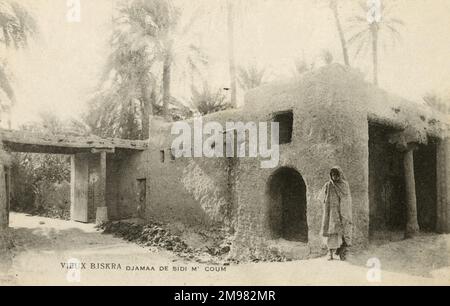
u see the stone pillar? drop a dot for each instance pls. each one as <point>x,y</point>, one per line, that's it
<point>443,186</point>
<point>412,223</point>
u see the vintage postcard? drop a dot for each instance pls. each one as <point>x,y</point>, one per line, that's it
<point>224,142</point>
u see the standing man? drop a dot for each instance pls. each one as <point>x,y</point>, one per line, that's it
<point>337,214</point>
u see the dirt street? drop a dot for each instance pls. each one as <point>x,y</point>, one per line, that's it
<point>45,246</point>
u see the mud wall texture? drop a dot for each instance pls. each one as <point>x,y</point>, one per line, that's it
<point>330,109</point>
<point>330,128</point>
<point>126,169</point>
<point>188,190</point>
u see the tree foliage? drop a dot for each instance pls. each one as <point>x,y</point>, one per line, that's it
<point>36,174</point>
<point>207,101</point>
<point>17,26</point>
<point>334,6</point>
<point>251,76</point>
<point>367,34</point>
<point>149,42</point>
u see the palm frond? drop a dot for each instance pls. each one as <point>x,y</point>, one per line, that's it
<point>387,29</point>
<point>361,47</point>
<point>251,77</point>
<point>17,23</point>
<point>358,36</point>
<point>5,85</point>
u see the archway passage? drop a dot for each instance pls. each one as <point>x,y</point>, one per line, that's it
<point>287,206</point>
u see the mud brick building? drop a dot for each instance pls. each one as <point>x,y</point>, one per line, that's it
<point>394,152</point>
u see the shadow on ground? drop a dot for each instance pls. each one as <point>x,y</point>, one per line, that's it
<point>426,255</point>
<point>41,243</point>
<point>44,239</point>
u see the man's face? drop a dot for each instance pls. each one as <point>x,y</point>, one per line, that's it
<point>335,176</point>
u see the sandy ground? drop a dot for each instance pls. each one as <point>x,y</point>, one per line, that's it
<point>44,245</point>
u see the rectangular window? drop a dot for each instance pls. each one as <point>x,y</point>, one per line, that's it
<point>286,121</point>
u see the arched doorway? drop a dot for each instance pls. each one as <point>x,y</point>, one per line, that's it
<point>286,192</point>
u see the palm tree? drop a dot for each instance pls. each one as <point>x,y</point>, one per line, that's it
<point>5,84</point>
<point>231,56</point>
<point>117,112</point>
<point>368,33</point>
<point>334,7</point>
<point>16,27</point>
<point>127,79</point>
<point>154,28</point>
<point>206,101</point>
<point>251,77</point>
<point>16,23</point>
<point>233,10</point>
<point>148,43</point>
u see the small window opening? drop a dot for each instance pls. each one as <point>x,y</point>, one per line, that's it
<point>286,122</point>
<point>162,156</point>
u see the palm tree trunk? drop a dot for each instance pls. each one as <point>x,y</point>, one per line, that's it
<point>146,108</point>
<point>231,57</point>
<point>167,75</point>
<point>6,37</point>
<point>337,19</point>
<point>374,29</point>
<point>9,118</point>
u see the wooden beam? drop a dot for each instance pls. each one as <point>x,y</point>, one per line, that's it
<point>103,150</point>
<point>34,142</point>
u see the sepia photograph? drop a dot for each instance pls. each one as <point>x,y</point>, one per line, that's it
<point>213,143</point>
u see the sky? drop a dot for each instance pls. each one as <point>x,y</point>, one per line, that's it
<point>60,69</point>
